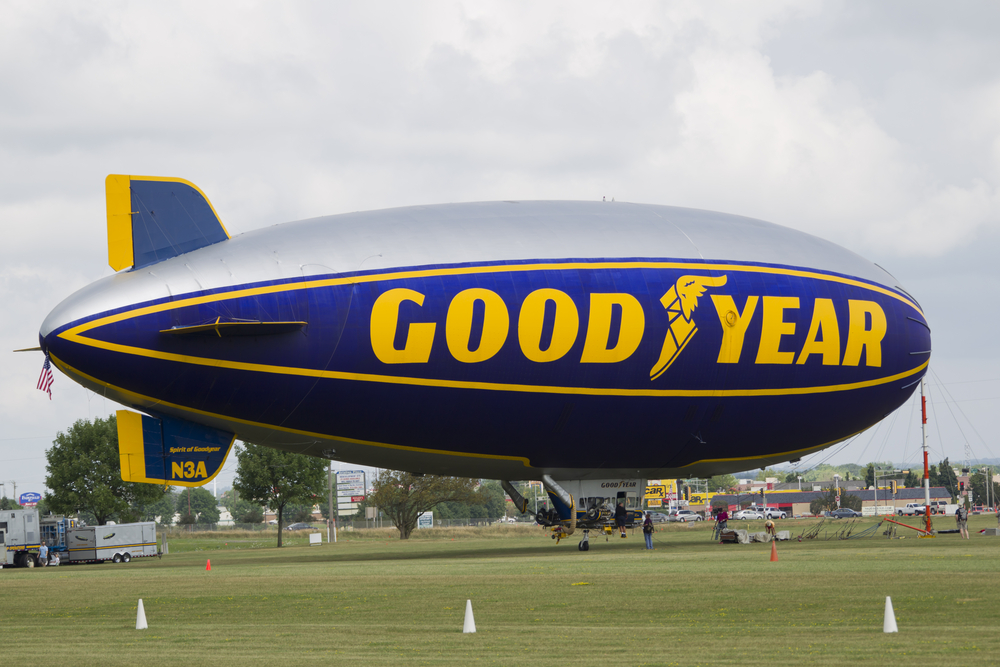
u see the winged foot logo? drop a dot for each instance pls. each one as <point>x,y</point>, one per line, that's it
<point>680,302</point>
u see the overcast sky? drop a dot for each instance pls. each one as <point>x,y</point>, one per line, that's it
<point>873,125</point>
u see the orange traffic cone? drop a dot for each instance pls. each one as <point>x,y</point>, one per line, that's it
<point>774,552</point>
<point>208,566</point>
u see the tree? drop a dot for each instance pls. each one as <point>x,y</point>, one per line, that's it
<point>299,513</point>
<point>8,504</point>
<point>164,509</point>
<point>769,472</point>
<point>277,478</point>
<point>724,483</point>
<point>242,511</point>
<point>850,501</point>
<point>403,496</point>
<point>947,478</point>
<point>870,476</point>
<point>490,503</point>
<point>84,475</point>
<point>829,502</point>
<point>199,504</point>
<point>912,480</point>
<point>978,483</point>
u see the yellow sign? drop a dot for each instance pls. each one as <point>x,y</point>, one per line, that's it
<point>656,492</point>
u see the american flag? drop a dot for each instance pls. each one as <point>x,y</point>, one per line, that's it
<point>45,380</point>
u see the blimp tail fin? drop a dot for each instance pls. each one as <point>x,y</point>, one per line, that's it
<point>170,451</point>
<point>153,218</point>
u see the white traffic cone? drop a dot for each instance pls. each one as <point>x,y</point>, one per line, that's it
<point>140,617</point>
<point>470,622</point>
<point>889,625</point>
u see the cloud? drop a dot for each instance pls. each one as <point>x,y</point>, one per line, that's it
<point>879,133</point>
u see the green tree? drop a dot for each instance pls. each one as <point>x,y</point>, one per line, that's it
<point>403,496</point>
<point>723,483</point>
<point>496,500</point>
<point>912,480</point>
<point>850,501</point>
<point>8,504</point>
<point>870,476</point>
<point>164,509</point>
<point>978,483</point>
<point>769,472</point>
<point>299,513</point>
<point>947,478</point>
<point>277,478</point>
<point>242,511</point>
<point>198,503</point>
<point>84,475</point>
<point>829,502</point>
<point>491,503</point>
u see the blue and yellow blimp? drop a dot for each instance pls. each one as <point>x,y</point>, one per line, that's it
<point>506,340</point>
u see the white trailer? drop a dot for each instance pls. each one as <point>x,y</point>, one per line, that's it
<point>22,533</point>
<point>115,542</point>
<point>20,538</point>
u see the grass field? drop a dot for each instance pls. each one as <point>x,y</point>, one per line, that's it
<point>371,599</point>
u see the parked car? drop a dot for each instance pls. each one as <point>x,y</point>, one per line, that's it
<point>747,515</point>
<point>772,513</point>
<point>844,513</point>
<point>685,516</point>
<point>658,517</point>
<point>299,526</point>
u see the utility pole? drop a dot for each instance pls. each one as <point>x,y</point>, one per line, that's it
<point>877,469</point>
<point>331,521</point>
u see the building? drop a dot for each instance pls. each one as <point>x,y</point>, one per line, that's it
<point>796,503</point>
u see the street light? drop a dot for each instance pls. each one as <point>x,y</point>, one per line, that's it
<point>800,482</point>
<point>836,481</point>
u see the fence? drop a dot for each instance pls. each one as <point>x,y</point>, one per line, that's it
<point>342,524</point>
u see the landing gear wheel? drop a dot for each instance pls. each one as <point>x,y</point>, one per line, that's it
<point>585,542</point>
<point>126,558</point>
<point>29,560</point>
<point>117,558</point>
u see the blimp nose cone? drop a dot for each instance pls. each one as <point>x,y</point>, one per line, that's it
<point>56,335</point>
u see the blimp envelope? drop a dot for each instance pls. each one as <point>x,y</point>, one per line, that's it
<point>502,340</point>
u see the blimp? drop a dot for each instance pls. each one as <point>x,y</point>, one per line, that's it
<point>587,345</point>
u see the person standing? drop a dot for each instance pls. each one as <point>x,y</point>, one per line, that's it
<point>721,522</point>
<point>647,530</point>
<point>962,519</point>
<point>43,555</point>
<point>620,517</point>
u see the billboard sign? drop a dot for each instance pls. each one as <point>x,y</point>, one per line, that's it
<point>425,520</point>
<point>29,499</point>
<point>351,480</point>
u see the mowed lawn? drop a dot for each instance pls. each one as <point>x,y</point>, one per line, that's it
<point>374,600</point>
